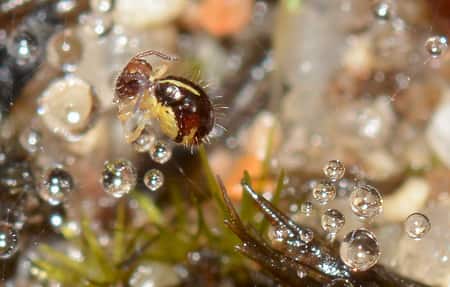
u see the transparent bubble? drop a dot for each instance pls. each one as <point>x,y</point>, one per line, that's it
<point>323,192</point>
<point>339,282</point>
<point>306,208</point>
<point>9,240</point>
<point>24,47</point>
<point>118,177</point>
<point>153,179</point>
<point>55,186</point>
<point>98,24</point>
<point>307,236</point>
<point>160,152</point>
<point>366,201</point>
<point>334,170</point>
<point>382,11</point>
<point>360,250</point>
<point>332,221</point>
<point>30,139</point>
<point>144,142</point>
<point>56,219</point>
<point>101,6</point>
<point>68,107</point>
<point>436,46</point>
<point>64,50</point>
<point>417,225</point>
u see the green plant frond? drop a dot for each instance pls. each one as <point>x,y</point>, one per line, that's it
<point>154,215</point>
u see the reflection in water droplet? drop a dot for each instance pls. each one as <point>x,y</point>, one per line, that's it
<point>24,47</point>
<point>360,250</point>
<point>332,221</point>
<point>417,225</point>
<point>64,50</point>
<point>366,201</point>
<point>101,6</point>
<point>30,140</point>
<point>118,177</point>
<point>160,152</point>
<point>98,24</point>
<point>153,179</point>
<point>323,192</point>
<point>436,46</point>
<point>382,11</point>
<point>9,240</point>
<point>56,184</point>
<point>334,170</point>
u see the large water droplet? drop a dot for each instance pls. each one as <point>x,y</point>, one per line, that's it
<point>334,170</point>
<point>339,282</point>
<point>360,250</point>
<point>24,47</point>
<point>160,152</point>
<point>64,50</point>
<point>417,225</point>
<point>323,192</point>
<point>332,221</point>
<point>68,107</point>
<point>366,201</point>
<point>55,186</point>
<point>153,179</point>
<point>9,240</point>
<point>118,177</point>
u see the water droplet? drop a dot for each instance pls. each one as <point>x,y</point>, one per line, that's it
<point>360,250</point>
<point>366,201</point>
<point>417,225</point>
<point>101,6</point>
<point>382,11</point>
<point>332,221</point>
<point>307,235</point>
<point>9,240</point>
<point>436,46</point>
<point>339,282</point>
<point>323,192</point>
<point>24,47</point>
<point>160,152</point>
<point>153,179</point>
<point>118,177</point>
<point>56,219</point>
<point>98,24</point>
<point>64,50</point>
<point>30,139</point>
<point>145,141</point>
<point>56,184</point>
<point>306,208</point>
<point>334,170</point>
<point>301,273</point>
<point>65,6</point>
<point>68,107</point>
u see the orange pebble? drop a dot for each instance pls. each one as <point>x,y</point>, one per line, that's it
<point>225,17</point>
<point>247,162</point>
